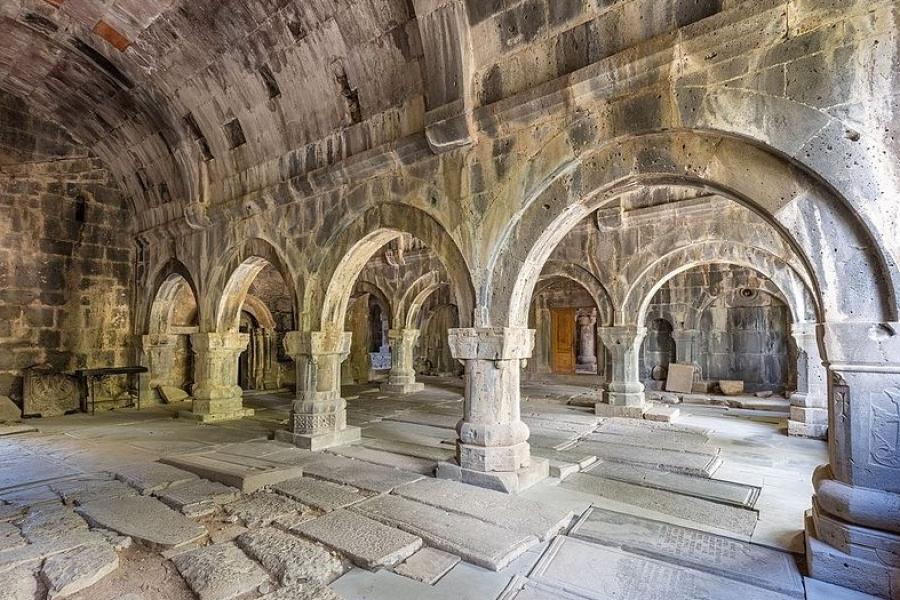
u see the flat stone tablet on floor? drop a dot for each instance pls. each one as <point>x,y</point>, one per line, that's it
<point>146,519</point>
<point>369,544</point>
<point>358,474</point>
<point>726,517</point>
<point>475,541</point>
<point>70,572</point>
<point>598,572</point>
<point>10,536</point>
<point>198,497</point>
<point>743,561</point>
<point>219,572</point>
<point>427,565</point>
<point>148,478</point>
<point>79,491</point>
<point>245,473</point>
<point>261,508</point>
<point>661,440</point>
<point>387,459</point>
<point>290,558</point>
<point>302,591</point>
<point>671,460</point>
<point>319,494</point>
<point>515,513</point>
<point>409,449</point>
<point>51,522</point>
<point>18,584</point>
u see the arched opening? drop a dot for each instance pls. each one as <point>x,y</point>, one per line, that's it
<point>657,352</point>
<point>167,351</point>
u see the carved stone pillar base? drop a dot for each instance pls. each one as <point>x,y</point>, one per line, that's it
<point>217,397</point>
<point>402,388</point>
<point>808,422</point>
<point>624,394</point>
<point>509,482</point>
<point>402,379</point>
<point>320,441</point>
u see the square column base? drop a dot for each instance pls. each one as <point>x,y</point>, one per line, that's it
<point>808,430</point>
<point>233,415</point>
<point>508,482</point>
<point>831,565</point>
<point>402,388</point>
<point>320,441</point>
<point>602,409</point>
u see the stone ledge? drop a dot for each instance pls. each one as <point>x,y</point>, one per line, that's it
<point>216,418</point>
<point>320,441</point>
<point>807,430</point>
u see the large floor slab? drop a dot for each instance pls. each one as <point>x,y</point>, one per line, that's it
<point>321,495</point>
<point>219,572</point>
<point>245,473</point>
<point>289,558</point>
<point>723,517</point>
<point>358,474</point>
<point>145,519</point>
<point>734,559</point>
<point>508,511</point>
<point>472,539</point>
<point>368,543</point>
<point>408,449</point>
<point>724,492</point>
<point>412,464</point>
<point>601,573</point>
<point>690,463</point>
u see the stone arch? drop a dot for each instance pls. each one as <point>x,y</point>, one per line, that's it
<point>167,284</point>
<point>259,311</point>
<point>807,212</point>
<point>787,283</point>
<point>231,280</point>
<point>368,287</point>
<point>407,310</point>
<point>343,256</point>
<point>587,280</point>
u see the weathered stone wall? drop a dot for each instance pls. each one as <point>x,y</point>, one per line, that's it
<point>66,253</point>
<point>744,332</point>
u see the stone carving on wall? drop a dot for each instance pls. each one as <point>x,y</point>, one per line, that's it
<point>49,393</point>
<point>885,428</point>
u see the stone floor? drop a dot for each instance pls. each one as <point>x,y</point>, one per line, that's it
<point>133,505</point>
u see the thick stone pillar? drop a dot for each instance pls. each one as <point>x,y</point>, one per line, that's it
<point>402,379</point>
<point>217,395</point>
<point>493,450</point>
<point>319,414</point>
<point>158,355</point>
<point>809,404</point>
<point>624,395</point>
<point>853,529</point>
<point>587,337</point>
<point>686,341</point>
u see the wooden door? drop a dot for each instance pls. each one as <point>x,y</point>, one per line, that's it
<point>562,340</point>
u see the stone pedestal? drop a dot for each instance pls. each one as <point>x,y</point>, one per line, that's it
<point>809,407</point>
<point>158,355</point>
<point>587,341</point>
<point>853,529</point>
<point>402,379</point>
<point>624,394</point>
<point>217,396</point>
<point>686,341</point>
<point>319,414</point>
<point>493,450</point>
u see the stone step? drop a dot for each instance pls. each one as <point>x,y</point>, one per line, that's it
<point>734,559</point>
<point>723,517</point>
<point>145,519</point>
<point>515,513</point>
<point>724,492</point>
<point>690,463</point>
<point>356,473</point>
<point>597,572</point>
<point>472,539</point>
<point>434,453</point>
<point>245,473</point>
<point>368,543</point>
<point>387,459</point>
<point>662,440</point>
<point>319,494</point>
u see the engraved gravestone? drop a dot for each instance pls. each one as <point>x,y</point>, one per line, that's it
<point>49,393</point>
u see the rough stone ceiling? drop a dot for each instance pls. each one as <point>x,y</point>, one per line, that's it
<point>157,86</point>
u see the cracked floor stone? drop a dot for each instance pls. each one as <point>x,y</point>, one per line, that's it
<point>219,572</point>
<point>291,559</point>
<point>70,572</point>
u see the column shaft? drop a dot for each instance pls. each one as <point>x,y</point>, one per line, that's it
<point>217,396</point>
<point>402,379</point>
<point>624,395</point>
<point>809,403</point>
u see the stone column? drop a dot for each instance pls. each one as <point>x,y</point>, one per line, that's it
<point>686,341</point>
<point>624,395</point>
<point>402,379</point>
<point>158,355</point>
<point>319,414</point>
<point>853,529</point>
<point>809,404</point>
<point>217,395</point>
<point>587,331</point>
<point>493,450</point>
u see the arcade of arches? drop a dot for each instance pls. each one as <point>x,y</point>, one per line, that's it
<point>500,220</point>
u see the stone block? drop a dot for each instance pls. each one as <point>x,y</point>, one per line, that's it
<point>145,519</point>
<point>9,410</point>
<point>402,388</point>
<point>805,430</point>
<point>829,564</point>
<point>320,441</point>
<point>602,409</point>
<point>198,497</point>
<point>148,478</point>
<point>262,508</point>
<point>358,474</point>
<point>69,572</point>
<point>171,394</point>
<point>245,473</point>
<point>321,495</point>
<point>731,387</point>
<point>509,482</point>
<point>427,565</point>
<point>48,393</point>
<point>291,559</point>
<point>219,572</point>
<point>664,414</point>
<point>680,378</point>
<point>368,543</point>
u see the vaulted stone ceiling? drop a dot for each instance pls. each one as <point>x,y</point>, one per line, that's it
<point>157,86</point>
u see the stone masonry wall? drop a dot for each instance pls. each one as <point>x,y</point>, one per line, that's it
<point>66,253</point>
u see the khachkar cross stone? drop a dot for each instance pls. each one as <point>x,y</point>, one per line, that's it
<point>885,428</point>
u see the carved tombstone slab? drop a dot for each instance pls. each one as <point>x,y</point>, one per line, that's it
<point>49,393</point>
<point>680,379</point>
